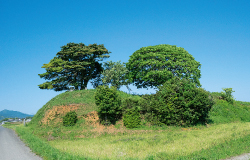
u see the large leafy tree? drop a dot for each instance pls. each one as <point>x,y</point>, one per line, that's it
<point>153,65</point>
<point>115,74</point>
<point>75,65</point>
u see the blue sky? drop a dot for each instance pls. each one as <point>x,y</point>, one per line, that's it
<point>216,33</point>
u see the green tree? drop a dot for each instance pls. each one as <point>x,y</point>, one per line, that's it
<point>109,104</point>
<point>75,65</point>
<point>153,65</point>
<point>227,95</point>
<point>178,102</point>
<point>115,74</point>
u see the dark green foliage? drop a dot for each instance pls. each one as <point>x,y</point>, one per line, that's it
<point>132,118</point>
<point>153,65</point>
<point>109,104</point>
<point>75,65</point>
<point>70,119</point>
<point>178,102</point>
<point>131,114</point>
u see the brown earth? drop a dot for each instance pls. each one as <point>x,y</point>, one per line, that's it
<point>54,116</point>
<point>95,128</point>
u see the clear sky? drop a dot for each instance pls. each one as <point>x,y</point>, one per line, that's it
<point>216,33</point>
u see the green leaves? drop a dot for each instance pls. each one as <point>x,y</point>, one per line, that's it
<point>74,65</point>
<point>109,104</point>
<point>153,65</point>
<point>227,95</point>
<point>115,74</point>
<point>178,102</point>
<point>70,119</point>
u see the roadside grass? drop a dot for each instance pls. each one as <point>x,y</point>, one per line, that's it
<point>41,147</point>
<point>215,142</point>
<point>169,143</point>
<point>224,150</point>
<point>11,125</point>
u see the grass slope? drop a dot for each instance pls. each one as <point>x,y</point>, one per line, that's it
<point>85,99</point>
<point>226,135</point>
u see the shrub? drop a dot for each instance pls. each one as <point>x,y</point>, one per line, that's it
<point>178,102</point>
<point>109,104</point>
<point>131,112</point>
<point>70,119</point>
<point>132,118</point>
<point>227,95</point>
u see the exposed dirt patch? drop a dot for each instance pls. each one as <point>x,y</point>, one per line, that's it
<point>98,129</point>
<point>92,126</point>
<point>54,115</point>
<point>93,120</point>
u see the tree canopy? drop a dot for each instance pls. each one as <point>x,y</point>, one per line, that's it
<point>75,65</point>
<point>115,74</point>
<point>153,65</point>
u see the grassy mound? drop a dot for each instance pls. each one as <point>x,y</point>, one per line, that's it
<point>226,136</point>
<point>81,101</point>
<point>52,112</point>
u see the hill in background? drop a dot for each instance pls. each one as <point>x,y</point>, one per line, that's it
<point>13,114</point>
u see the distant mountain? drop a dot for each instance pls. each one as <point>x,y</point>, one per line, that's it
<point>13,114</point>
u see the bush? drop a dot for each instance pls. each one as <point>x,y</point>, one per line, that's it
<point>178,102</point>
<point>131,112</point>
<point>227,95</point>
<point>109,104</point>
<point>132,118</point>
<point>70,119</point>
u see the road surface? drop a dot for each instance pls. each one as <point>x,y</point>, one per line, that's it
<point>12,148</point>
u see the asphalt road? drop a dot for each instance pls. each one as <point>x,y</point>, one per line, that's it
<point>12,148</point>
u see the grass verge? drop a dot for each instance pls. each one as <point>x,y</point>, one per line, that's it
<point>172,143</point>
<point>40,147</point>
<point>216,142</point>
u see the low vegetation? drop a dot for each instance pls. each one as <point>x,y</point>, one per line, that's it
<point>225,134</point>
<point>70,119</point>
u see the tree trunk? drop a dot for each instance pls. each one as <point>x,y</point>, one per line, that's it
<point>84,84</point>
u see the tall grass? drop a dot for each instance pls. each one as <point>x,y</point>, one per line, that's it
<point>169,143</point>
<point>42,148</point>
<point>224,150</point>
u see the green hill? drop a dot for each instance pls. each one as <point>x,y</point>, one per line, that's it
<point>222,137</point>
<point>13,114</point>
<point>81,101</point>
